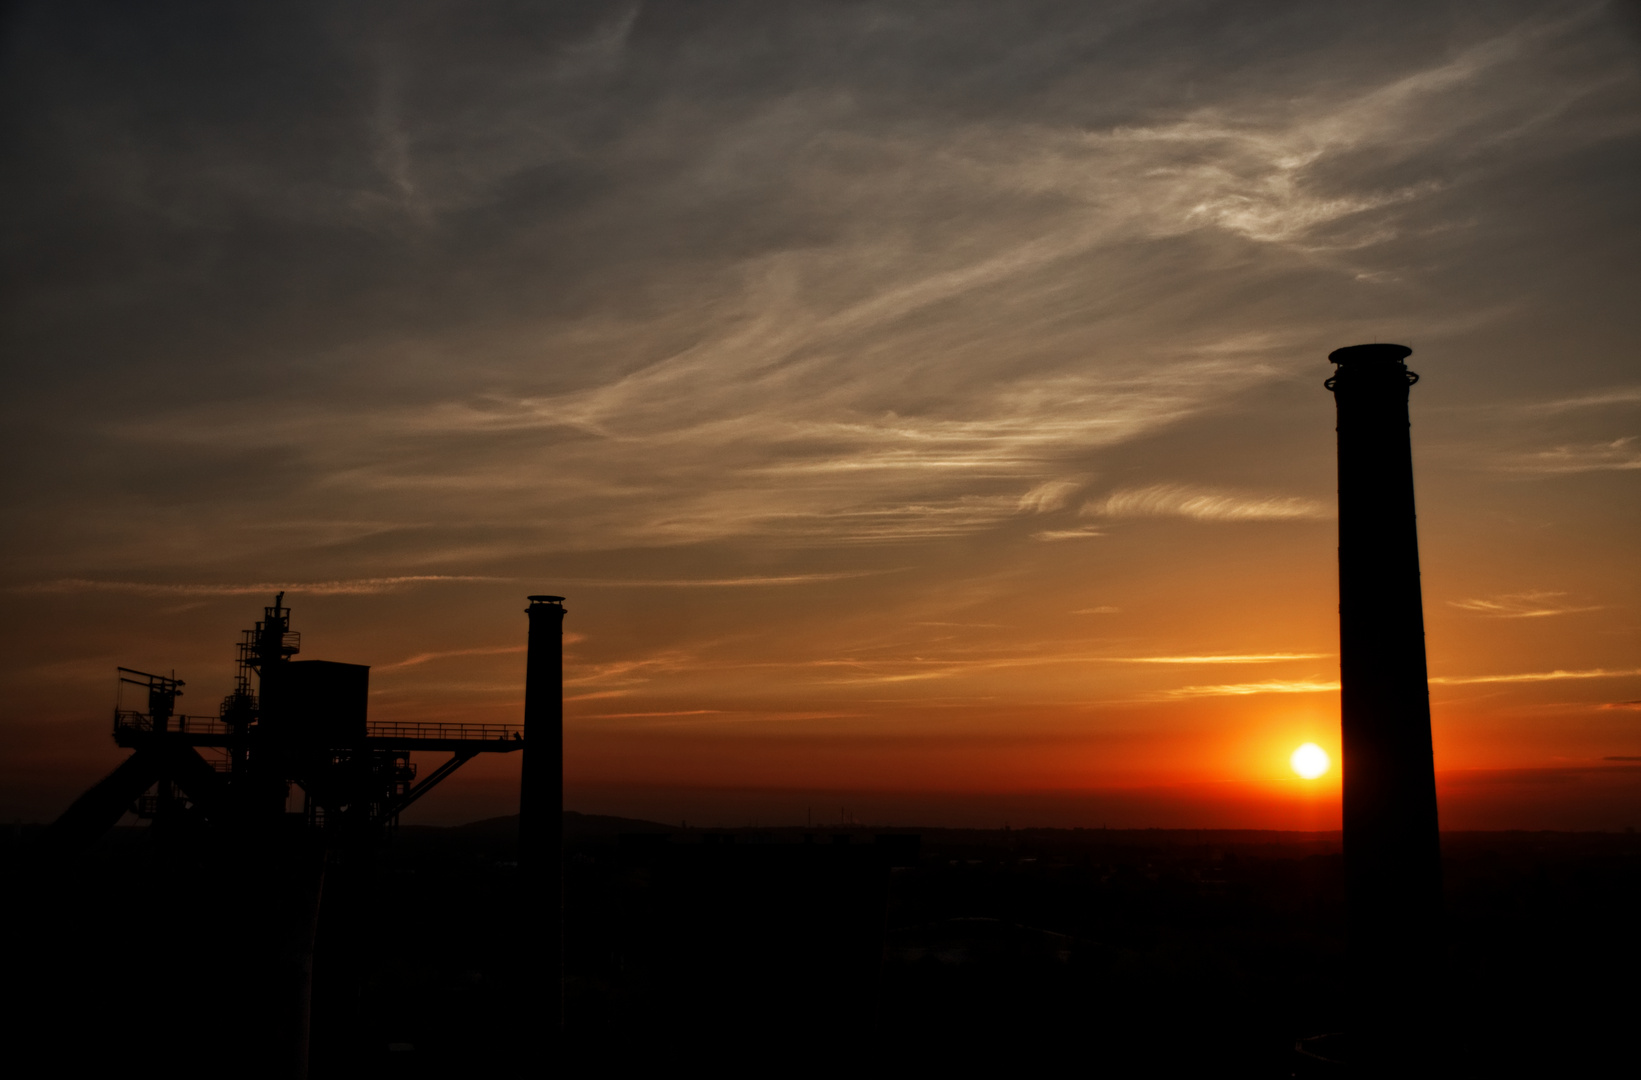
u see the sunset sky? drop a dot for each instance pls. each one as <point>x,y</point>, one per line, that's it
<point>919,404</point>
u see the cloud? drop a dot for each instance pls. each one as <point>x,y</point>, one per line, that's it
<point>1226,658</point>
<point>1052,535</point>
<point>748,581</point>
<point>367,586</point>
<point>822,357</point>
<point>1622,704</point>
<point>645,715</point>
<point>353,587</point>
<point>1047,496</point>
<point>413,296</point>
<point>1535,676</point>
<point>953,664</point>
<point>1177,500</point>
<point>721,717</point>
<point>932,664</point>
<point>1308,686</point>
<point>423,658</point>
<point>1102,610</point>
<point>625,673</point>
<point>778,470</point>
<point>1619,455</point>
<point>1523,605</point>
<point>1271,686</point>
<point>1618,395</point>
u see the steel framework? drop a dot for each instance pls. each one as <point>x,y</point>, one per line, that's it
<point>287,723</point>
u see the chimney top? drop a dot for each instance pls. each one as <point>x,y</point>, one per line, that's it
<point>1357,354</point>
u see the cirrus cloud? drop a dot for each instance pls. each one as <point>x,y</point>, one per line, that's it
<point>1203,504</point>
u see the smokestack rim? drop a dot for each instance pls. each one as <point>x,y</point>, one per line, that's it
<point>545,599</point>
<point>1375,353</point>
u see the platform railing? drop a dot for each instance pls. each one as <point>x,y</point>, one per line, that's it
<point>398,729</point>
<point>131,720</point>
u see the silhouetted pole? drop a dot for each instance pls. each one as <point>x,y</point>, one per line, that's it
<point>541,792</point>
<point>1392,847</point>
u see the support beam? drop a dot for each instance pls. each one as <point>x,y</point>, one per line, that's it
<point>185,767</point>
<point>103,804</point>
<point>426,784</point>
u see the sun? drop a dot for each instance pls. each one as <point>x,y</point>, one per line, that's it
<point>1310,761</point>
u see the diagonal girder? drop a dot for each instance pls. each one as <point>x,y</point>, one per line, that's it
<point>397,807</point>
<point>185,767</point>
<point>103,804</point>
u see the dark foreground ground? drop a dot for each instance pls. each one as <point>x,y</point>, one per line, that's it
<point>771,952</point>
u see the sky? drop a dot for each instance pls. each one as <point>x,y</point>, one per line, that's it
<point>919,404</point>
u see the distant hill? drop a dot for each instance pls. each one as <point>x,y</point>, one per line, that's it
<point>575,825</point>
<point>589,825</point>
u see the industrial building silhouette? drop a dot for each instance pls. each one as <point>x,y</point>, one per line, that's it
<point>267,894</point>
<point>287,724</point>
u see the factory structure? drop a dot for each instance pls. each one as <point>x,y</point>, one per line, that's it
<point>275,808</point>
<point>292,750</point>
<point>291,753</point>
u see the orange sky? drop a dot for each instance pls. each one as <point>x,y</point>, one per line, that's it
<point>923,416</point>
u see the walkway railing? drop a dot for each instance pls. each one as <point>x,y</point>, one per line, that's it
<point>395,729</point>
<point>131,720</point>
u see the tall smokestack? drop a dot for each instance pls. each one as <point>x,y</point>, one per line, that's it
<point>1392,848</point>
<point>541,786</point>
<point>541,783</point>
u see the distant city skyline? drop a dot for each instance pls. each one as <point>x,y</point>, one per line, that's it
<point>920,406</point>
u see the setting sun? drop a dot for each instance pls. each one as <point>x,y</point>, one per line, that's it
<point>1310,761</point>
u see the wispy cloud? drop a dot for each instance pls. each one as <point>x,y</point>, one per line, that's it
<point>1522,605</point>
<point>748,581</point>
<point>1310,686</point>
<point>624,673</point>
<point>768,286</point>
<point>1618,395</point>
<point>1270,686</point>
<point>353,586</point>
<point>800,473</point>
<point>859,376</point>
<point>1052,535</point>
<point>1178,500</point>
<point>1619,455</point>
<point>645,715</point>
<point>721,717</point>
<point>1047,496</point>
<point>426,657</point>
<point>933,665</point>
<point>781,418</point>
<point>1222,658</point>
<point>1535,676</point>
